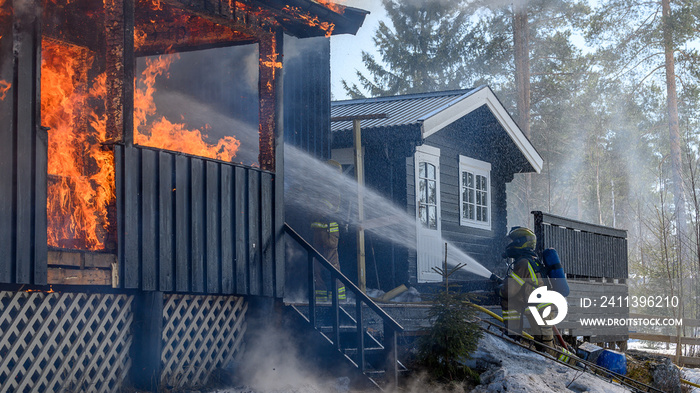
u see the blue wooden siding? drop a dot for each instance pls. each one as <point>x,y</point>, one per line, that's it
<point>307,94</point>
<point>479,136</point>
<point>190,224</point>
<point>23,153</point>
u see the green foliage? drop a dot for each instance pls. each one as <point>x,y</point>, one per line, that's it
<point>452,339</point>
<point>426,48</point>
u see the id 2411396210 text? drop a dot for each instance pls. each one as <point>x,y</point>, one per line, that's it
<point>630,301</point>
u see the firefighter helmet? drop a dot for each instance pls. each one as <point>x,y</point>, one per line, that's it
<point>521,239</point>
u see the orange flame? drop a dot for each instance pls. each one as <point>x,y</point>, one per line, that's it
<point>271,61</point>
<point>4,87</point>
<point>81,172</point>
<point>165,134</point>
<point>156,6</point>
<point>332,6</point>
<point>50,290</point>
<point>139,37</point>
<point>311,20</point>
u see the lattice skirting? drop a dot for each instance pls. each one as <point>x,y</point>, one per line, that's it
<point>64,342</point>
<point>200,334</point>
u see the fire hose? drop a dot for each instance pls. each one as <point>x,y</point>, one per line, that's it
<point>527,336</point>
<point>582,365</point>
<point>560,338</point>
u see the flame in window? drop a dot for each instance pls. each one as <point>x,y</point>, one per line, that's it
<point>159,132</point>
<point>81,170</point>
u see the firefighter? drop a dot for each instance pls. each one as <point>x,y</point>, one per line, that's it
<point>523,278</point>
<point>326,236</point>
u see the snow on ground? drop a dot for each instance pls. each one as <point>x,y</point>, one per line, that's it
<point>651,347</point>
<point>514,369</point>
<point>692,375</point>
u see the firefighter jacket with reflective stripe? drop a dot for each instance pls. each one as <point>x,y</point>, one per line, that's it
<point>332,227</point>
<point>516,290</point>
<point>521,282</point>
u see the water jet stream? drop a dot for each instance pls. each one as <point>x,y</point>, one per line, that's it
<point>307,179</point>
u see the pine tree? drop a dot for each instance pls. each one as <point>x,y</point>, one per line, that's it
<point>426,47</point>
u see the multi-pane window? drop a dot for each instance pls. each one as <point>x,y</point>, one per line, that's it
<point>427,198</point>
<point>475,198</point>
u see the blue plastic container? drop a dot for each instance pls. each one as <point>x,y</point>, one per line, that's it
<point>613,361</point>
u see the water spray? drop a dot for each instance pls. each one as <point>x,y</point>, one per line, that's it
<point>306,178</point>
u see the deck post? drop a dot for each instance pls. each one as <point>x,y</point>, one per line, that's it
<point>392,370</point>
<point>360,176</point>
<point>147,344</point>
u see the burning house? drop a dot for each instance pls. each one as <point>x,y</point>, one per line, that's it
<point>141,204</point>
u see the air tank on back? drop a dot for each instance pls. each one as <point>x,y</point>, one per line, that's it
<point>555,271</point>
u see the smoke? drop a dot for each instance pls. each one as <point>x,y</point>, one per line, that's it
<point>295,47</point>
<point>272,363</point>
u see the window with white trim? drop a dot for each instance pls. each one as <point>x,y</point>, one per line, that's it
<point>475,193</point>
<point>427,197</point>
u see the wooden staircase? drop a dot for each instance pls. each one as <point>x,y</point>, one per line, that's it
<point>343,325</point>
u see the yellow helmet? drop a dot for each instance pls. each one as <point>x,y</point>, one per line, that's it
<point>521,239</point>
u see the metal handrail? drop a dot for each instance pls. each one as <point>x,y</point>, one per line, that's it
<point>391,327</point>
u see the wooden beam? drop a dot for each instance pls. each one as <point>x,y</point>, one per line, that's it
<point>684,360</point>
<point>57,275</point>
<point>359,117</point>
<point>147,347</point>
<point>278,206</point>
<point>81,259</point>
<point>239,17</point>
<point>168,29</point>
<point>270,66</point>
<point>360,177</point>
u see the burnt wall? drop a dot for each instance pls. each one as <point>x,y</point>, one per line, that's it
<point>23,147</point>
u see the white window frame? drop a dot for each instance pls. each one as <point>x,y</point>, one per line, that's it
<point>480,168</point>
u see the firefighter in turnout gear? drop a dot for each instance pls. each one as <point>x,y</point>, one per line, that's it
<point>524,277</point>
<point>326,236</point>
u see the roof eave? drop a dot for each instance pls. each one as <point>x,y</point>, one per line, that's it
<point>483,95</point>
<point>349,22</point>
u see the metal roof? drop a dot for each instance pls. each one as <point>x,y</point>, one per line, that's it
<point>400,110</point>
<point>433,112</point>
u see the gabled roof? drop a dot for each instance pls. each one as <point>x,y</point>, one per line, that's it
<point>433,112</point>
